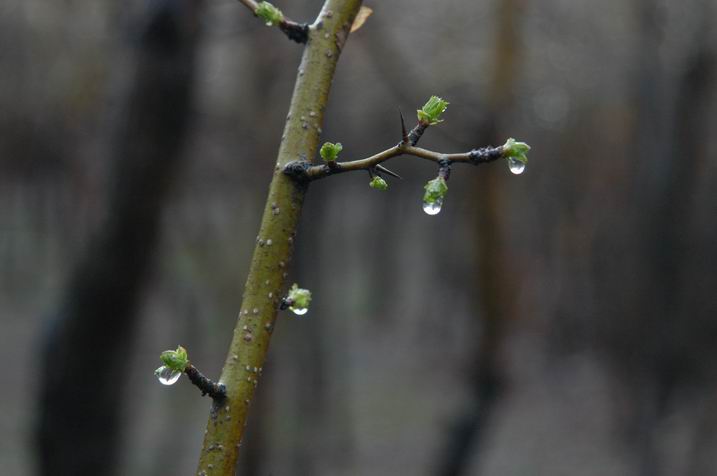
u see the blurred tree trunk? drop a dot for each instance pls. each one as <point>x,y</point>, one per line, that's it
<point>91,335</point>
<point>658,334</point>
<point>493,301</point>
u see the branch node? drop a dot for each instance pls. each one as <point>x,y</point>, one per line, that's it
<point>485,154</point>
<point>215,390</point>
<point>298,32</point>
<point>417,132</point>
<point>285,303</point>
<point>298,170</point>
<point>444,168</point>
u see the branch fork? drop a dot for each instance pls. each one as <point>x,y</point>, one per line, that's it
<point>305,171</point>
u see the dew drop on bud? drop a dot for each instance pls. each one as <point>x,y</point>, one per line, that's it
<point>167,376</point>
<point>433,208</point>
<point>299,311</point>
<point>516,166</point>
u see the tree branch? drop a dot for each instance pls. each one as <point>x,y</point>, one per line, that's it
<point>295,31</point>
<point>303,171</point>
<point>273,251</point>
<point>215,390</point>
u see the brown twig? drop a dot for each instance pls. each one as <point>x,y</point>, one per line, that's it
<point>215,390</point>
<point>295,31</point>
<point>304,171</point>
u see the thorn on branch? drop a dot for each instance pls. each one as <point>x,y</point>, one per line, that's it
<point>216,391</point>
<point>381,169</point>
<point>404,134</point>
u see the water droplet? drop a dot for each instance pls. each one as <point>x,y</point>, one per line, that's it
<point>433,208</point>
<point>299,311</point>
<point>516,166</point>
<point>167,376</point>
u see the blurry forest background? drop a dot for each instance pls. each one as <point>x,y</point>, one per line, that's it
<point>560,322</point>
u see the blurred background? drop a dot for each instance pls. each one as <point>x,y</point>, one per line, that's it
<point>560,322</point>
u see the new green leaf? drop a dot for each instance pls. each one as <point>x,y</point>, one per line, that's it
<point>330,152</point>
<point>435,190</point>
<point>175,359</point>
<point>431,112</point>
<point>378,183</point>
<point>269,13</point>
<point>299,297</point>
<point>516,150</point>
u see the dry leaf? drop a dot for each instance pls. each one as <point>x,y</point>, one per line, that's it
<point>361,17</point>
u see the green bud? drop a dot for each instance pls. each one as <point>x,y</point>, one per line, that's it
<point>516,150</point>
<point>431,112</point>
<point>378,183</point>
<point>175,359</point>
<point>299,298</point>
<point>435,190</point>
<point>269,13</point>
<point>330,152</point>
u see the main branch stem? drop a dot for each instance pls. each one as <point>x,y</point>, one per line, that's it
<point>475,157</point>
<point>272,254</point>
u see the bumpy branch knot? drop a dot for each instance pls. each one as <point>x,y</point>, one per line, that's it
<point>298,170</point>
<point>444,169</point>
<point>298,32</point>
<point>415,135</point>
<point>485,154</point>
<point>215,390</point>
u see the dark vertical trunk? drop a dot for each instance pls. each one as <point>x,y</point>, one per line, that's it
<point>659,359</point>
<point>80,399</point>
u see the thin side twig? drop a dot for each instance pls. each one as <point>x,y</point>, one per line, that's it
<point>295,31</point>
<point>307,172</point>
<point>215,390</point>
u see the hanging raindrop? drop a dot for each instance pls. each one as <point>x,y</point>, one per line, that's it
<point>167,376</point>
<point>433,208</point>
<point>516,166</point>
<point>299,311</point>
